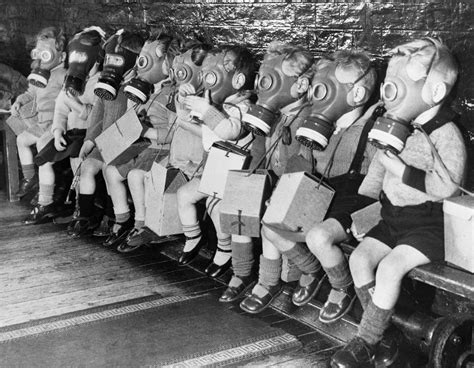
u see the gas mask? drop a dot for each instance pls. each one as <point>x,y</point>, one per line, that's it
<point>152,67</point>
<point>45,57</point>
<point>330,98</point>
<point>83,54</point>
<point>118,60</point>
<point>274,91</point>
<point>217,76</point>
<point>184,70</point>
<point>402,94</point>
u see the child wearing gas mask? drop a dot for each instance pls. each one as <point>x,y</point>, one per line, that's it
<point>279,111</point>
<point>340,87</point>
<point>410,185</point>
<point>73,105</point>
<point>227,76</point>
<point>121,52</point>
<point>151,88</point>
<point>46,79</point>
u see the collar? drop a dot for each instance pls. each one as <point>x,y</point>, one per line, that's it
<point>427,115</point>
<point>348,119</point>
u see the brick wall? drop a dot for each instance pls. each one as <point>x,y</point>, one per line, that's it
<point>321,26</point>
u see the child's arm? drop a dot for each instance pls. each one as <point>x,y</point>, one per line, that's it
<point>23,99</point>
<point>82,109</point>
<point>372,183</point>
<point>435,181</point>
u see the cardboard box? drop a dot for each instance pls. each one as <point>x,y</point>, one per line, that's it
<point>28,118</point>
<point>161,202</point>
<point>366,218</point>
<point>459,231</point>
<point>121,141</point>
<point>244,199</point>
<point>223,157</point>
<point>298,202</point>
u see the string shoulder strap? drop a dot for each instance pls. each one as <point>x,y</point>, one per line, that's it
<point>356,163</point>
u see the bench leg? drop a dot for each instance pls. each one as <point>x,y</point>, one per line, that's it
<point>11,164</point>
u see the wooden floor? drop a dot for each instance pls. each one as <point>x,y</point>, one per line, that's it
<point>45,274</point>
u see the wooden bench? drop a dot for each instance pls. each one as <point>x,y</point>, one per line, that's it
<point>10,157</point>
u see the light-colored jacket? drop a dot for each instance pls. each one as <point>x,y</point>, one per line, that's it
<point>66,117</point>
<point>45,98</point>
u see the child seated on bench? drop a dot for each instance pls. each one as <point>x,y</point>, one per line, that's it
<point>73,105</point>
<point>46,80</point>
<point>231,70</point>
<point>411,187</point>
<point>353,84</point>
<point>111,105</point>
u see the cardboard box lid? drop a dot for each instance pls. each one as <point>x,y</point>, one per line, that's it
<point>462,207</point>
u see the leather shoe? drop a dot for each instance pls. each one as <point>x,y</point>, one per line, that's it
<point>186,257</point>
<point>27,185</point>
<point>303,294</point>
<point>41,214</point>
<point>339,302</point>
<point>232,293</point>
<point>119,235</point>
<point>255,304</point>
<point>356,354</point>
<point>214,270</point>
<point>105,227</point>
<point>83,225</point>
<point>387,350</point>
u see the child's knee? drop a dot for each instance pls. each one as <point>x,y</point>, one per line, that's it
<point>359,259</point>
<point>390,269</point>
<point>317,239</point>
<point>135,176</point>
<point>270,235</point>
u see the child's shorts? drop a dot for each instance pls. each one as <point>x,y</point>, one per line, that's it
<point>419,226</point>
<point>143,161</point>
<point>343,205</point>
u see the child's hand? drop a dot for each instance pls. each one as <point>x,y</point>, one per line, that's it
<point>186,89</point>
<point>359,237</point>
<point>86,148</point>
<point>15,109</point>
<point>392,163</point>
<point>198,105</point>
<point>59,140</point>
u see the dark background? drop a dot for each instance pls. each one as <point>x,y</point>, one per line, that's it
<point>321,26</point>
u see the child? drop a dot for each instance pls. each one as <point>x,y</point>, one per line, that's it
<point>72,108</point>
<point>231,70</point>
<point>111,105</point>
<point>353,81</point>
<point>46,80</point>
<point>294,65</point>
<point>411,187</point>
<point>185,148</point>
<point>153,65</point>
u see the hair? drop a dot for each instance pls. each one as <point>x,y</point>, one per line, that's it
<point>434,56</point>
<point>55,33</point>
<point>245,62</point>
<point>130,41</point>
<point>199,52</point>
<point>300,60</point>
<point>359,62</point>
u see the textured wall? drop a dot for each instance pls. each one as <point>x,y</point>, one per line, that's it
<point>322,26</point>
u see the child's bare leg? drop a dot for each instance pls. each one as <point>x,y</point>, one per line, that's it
<point>118,192</point>
<point>188,196</point>
<point>46,184</point>
<point>89,169</point>
<point>136,184</point>
<point>24,141</point>
<point>224,251</point>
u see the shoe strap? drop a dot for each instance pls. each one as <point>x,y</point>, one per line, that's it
<point>193,237</point>
<point>223,250</point>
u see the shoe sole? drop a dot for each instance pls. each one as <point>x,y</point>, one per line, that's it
<point>313,294</point>
<point>241,294</point>
<point>349,307</point>
<point>117,242</point>
<point>264,307</point>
